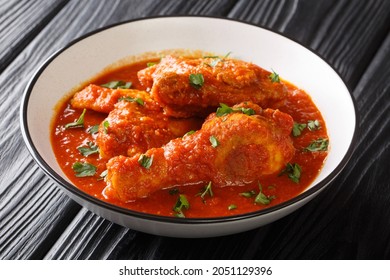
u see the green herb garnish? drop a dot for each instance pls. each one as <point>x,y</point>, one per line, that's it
<point>145,161</point>
<point>248,194</point>
<point>196,80</point>
<point>181,203</point>
<point>106,124</point>
<point>313,125</point>
<point>78,123</point>
<point>321,144</point>
<point>131,99</point>
<point>274,77</point>
<point>214,141</point>
<point>93,129</point>
<point>150,64</point>
<point>206,190</point>
<point>232,207</point>
<point>117,84</point>
<point>224,110</point>
<point>84,169</point>
<point>189,133</point>
<point>261,198</point>
<point>90,149</point>
<point>298,128</point>
<point>293,172</point>
<point>216,60</point>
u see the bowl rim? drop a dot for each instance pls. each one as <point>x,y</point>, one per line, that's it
<point>166,219</point>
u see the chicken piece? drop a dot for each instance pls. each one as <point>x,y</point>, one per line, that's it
<point>235,149</point>
<point>228,81</point>
<point>132,128</point>
<point>101,99</point>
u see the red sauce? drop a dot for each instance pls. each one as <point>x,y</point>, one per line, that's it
<point>299,105</point>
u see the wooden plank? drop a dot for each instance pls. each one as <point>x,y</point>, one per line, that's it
<point>15,33</point>
<point>346,33</point>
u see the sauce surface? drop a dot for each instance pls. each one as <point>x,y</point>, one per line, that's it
<point>225,201</point>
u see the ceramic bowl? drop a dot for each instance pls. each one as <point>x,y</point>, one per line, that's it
<point>87,56</point>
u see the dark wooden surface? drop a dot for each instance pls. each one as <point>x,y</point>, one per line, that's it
<point>349,220</point>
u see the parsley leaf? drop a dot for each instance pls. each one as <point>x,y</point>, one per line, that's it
<point>293,172</point>
<point>261,198</point>
<point>117,84</point>
<point>84,169</point>
<point>93,129</point>
<point>131,99</point>
<point>321,144</point>
<point>248,194</point>
<point>214,141</point>
<point>106,124</point>
<point>232,207</point>
<point>206,190</point>
<point>224,110</point>
<point>150,64</point>
<point>298,128</point>
<point>181,203</point>
<point>89,150</point>
<point>274,77</point>
<point>313,125</point>
<point>145,161</point>
<point>78,123</point>
<point>189,133</point>
<point>196,80</point>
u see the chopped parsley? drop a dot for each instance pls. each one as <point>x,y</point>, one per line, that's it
<point>248,194</point>
<point>78,123</point>
<point>196,80</point>
<point>224,110</point>
<point>261,198</point>
<point>313,125</point>
<point>321,144</point>
<point>274,77</point>
<point>206,190</point>
<point>181,203</point>
<point>117,84</point>
<point>90,149</point>
<point>189,133</point>
<point>214,141</point>
<point>106,124</point>
<point>232,207</point>
<point>293,172</point>
<point>131,99</point>
<point>84,169</point>
<point>298,128</point>
<point>93,129</point>
<point>145,161</point>
<point>150,64</point>
<point>216,59</point>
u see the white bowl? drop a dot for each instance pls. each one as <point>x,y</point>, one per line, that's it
<point>84,58</point>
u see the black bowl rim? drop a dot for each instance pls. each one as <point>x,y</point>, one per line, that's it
<point>165,219</point>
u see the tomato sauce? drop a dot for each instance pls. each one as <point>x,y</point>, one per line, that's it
<point>225,201</point>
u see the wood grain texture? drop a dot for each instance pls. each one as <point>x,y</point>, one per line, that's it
<point>15,33</point>
<point>348,220</point>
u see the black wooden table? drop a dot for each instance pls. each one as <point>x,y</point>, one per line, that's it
<point>349,220</point>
